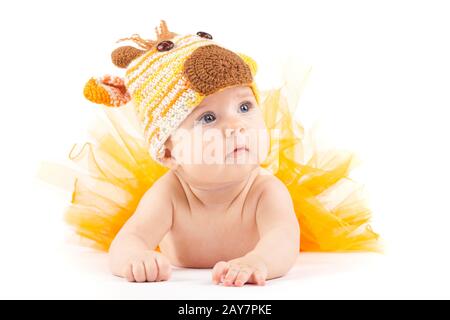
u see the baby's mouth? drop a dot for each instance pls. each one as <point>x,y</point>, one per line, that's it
<point>238,150</point>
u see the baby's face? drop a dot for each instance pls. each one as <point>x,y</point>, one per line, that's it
<point>222,139</point>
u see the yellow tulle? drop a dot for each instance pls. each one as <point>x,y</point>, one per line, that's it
<point>114,170</point>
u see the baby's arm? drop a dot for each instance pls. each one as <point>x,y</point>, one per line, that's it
<point>278,228</point>
<point>279,244</point>
<point>132,254</point>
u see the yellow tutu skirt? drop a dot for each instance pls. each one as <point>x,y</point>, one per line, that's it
<point>114,170</point>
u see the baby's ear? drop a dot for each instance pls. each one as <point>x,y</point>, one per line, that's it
<point>107,90</point>
<point>168,160</point>
<point>123,56</point>
<point>250,62</point>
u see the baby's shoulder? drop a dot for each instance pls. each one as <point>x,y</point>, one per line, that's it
<point>267,182</point>
<point>271,192</point>
<point>166,186</point>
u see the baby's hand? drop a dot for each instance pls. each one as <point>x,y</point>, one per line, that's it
<point>247,269</point>
<point>150,266</point>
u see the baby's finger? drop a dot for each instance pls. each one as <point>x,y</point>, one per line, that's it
<point>243,276</point>
<point>128,273</point>
<point>260,278</point>
<point>219,269</point>
<point>163,268</point>
<point>231,274</point>
<point>151,269</point>
<point>139,271</point>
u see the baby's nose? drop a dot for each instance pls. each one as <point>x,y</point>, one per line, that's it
<point>236,129</point>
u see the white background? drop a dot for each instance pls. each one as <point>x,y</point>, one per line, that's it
<point>379,86</point>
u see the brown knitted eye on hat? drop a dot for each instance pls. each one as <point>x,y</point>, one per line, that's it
<point>168,77</point>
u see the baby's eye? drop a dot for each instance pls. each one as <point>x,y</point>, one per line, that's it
<point>245,106</point>
<point>207,118</point>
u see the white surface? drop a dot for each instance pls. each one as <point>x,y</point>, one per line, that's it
<point>379,86</point>
<point>72,273</point>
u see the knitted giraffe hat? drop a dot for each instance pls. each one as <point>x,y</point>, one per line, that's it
<point>168,77</point>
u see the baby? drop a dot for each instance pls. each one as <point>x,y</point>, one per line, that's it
<point>230,215</point>
<point>195,191</point>
<point>215,207</point>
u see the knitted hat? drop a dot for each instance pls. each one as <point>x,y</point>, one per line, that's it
<point>168,77</point>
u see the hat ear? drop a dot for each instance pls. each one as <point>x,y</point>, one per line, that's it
<point>123,56</point>
<point>250,62</point>
<point>107,90</point>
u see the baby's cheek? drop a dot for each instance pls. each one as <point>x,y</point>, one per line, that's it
<point>213,144</point>
<point>190,146</point>
<point>260,143</point>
